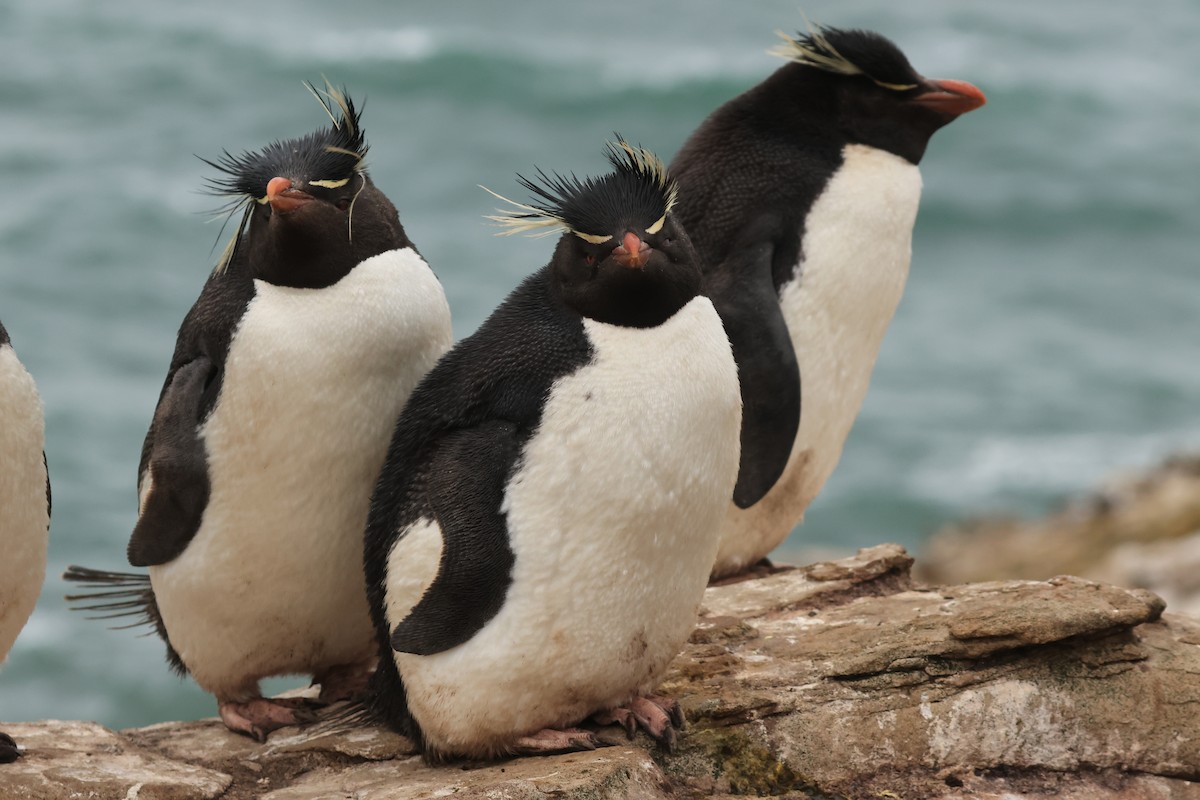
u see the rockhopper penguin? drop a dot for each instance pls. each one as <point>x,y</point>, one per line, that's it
<point>288,375</point>
<point>543,527</point>
<point>800,195</point>
<point>24,505</point>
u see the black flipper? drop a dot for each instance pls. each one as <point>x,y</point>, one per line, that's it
<point>467,476</point>
<point>500,374</point>
<point>745,296</point>
<point>121,595</point>
<point>175,462</point>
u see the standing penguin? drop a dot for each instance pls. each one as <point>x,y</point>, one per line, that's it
<point>542,531</point>
<point>288,376</point>
<point>24,505</point>
<point>801,196</point>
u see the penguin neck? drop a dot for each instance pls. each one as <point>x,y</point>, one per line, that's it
<point>629,298</point>
<point>635,304</point>
<point>292,255</point>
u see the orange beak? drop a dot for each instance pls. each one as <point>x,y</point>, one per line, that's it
<point>283,198</point>
<point>951,97</point>
<point>632,252</point>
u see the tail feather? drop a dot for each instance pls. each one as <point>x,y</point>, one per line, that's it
<point>345,716</point>
<point>341,718</point>
<point>121,595</point>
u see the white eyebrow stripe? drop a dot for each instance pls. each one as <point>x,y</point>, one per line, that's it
<point>657,226</point>
<point>330,184</point>
<point>896,87</point>
<point>593,238</point>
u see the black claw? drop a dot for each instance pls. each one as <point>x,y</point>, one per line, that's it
<point>631,726</point>
<point>667,740</point>
<point>304,716</point>
<point>583,742</point>
<point>607,740</point>
<point>299,704</point>
<point>676,714</point>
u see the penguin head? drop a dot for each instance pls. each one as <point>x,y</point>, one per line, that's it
<point>867,85</point>
<point>310,212</point>
<point>622,259</point>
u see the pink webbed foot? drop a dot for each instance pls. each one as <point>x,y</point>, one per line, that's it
<point>658,716</point>
<point>549,741</point>
<point>258,717</point>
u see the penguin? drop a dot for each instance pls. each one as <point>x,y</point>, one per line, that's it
<point>288,375</point>
<point>25,500</point>
<point>801,194</point>
<point>544,524</point>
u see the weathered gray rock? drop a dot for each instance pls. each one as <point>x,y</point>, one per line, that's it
<point>77,760</point>
<point>1138,530</point>
<point>838,679</point>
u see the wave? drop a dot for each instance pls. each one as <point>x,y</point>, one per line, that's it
<point>1040,468</point>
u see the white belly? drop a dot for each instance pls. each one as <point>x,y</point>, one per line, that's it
<point>856,251</point>
<point>613,517</point>
<point>24,520</point>
<point>272,583</point>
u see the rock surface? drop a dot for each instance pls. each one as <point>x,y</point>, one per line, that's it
<point>1139,530</point>
<point>838,679</point>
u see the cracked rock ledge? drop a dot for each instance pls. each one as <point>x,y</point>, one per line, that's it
<point>840,679</point>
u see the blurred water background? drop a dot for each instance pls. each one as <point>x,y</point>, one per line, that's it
<point>1049,334</point>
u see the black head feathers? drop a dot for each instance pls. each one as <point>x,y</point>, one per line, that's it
<point>327,156</point>
<point>639,191</point>
<point>851,52</point>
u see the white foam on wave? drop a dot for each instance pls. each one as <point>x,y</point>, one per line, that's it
<point>1043,466</point>
<point>397,45</point>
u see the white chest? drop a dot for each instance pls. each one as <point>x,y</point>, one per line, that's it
<point>23,516</point>
<point>314,381</point>
<point>855,255</point>
<point>613,515</point>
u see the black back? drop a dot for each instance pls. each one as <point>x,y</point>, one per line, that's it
<point>4,335</point>
<point>748,177</point>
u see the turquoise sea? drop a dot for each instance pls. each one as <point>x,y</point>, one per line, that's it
<point>1050,332</point>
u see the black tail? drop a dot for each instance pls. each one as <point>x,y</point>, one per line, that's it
<point>383,705</point>
<point>345,716</point>
<point>121,595</point>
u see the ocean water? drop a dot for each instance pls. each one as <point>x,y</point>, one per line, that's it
<point>1049,334</point>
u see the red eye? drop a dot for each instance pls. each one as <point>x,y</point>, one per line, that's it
<point>590,259</point>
